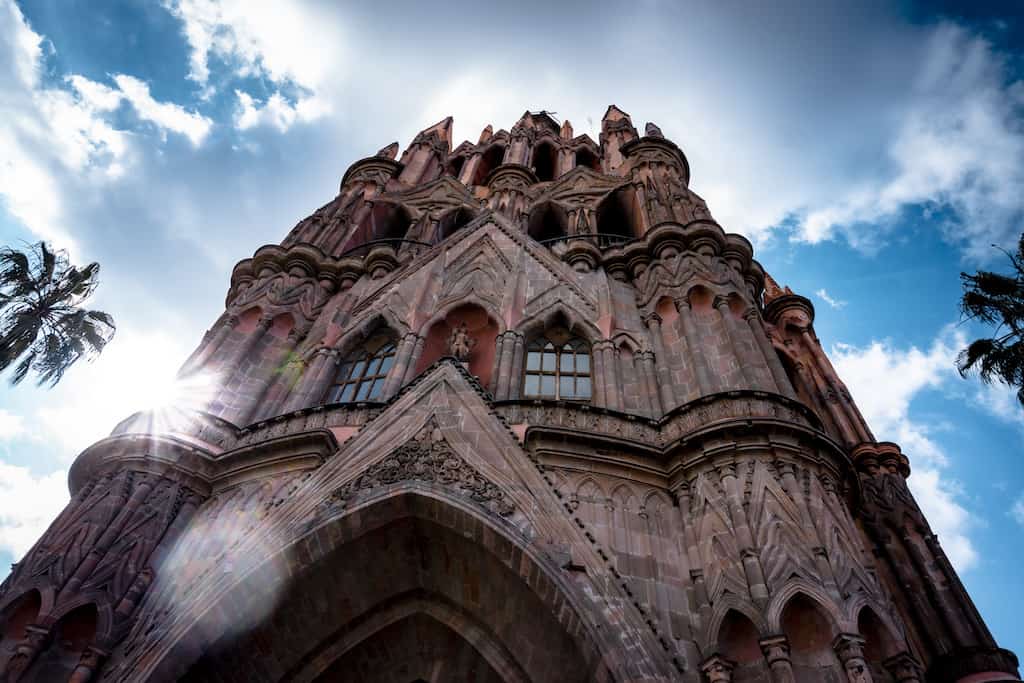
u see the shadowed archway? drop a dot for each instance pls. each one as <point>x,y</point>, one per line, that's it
<point>438,585</point>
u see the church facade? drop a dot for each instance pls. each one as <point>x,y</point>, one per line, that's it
<point>517,410</point>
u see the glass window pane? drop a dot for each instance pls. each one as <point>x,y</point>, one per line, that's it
<point>533,360</point>
<point>547,386</point>
<point>371,369</point>
<point>346,394</point>
<point>386,365</point>
<point>565,363</point>
<point>565,388</point>
<point>583,387</point>
<point>357,369</point>
<point>375,391</point>
<point>583,363</point>
<point>364,391</point>
<point>532,385</point>
<point>549,361</point>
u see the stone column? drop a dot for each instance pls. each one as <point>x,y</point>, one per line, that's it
<point>611,390</point>
<point>850,649</point>
<point>776,654</point>
<point>903,668</point>
<point>668,399</point>
<point>743,360</point>
<point>25,652</point>
<point>402,356</point>
<point>835,387</point>
<point>302,393</point>
<point>650,382</point>
<point>87,665</point>
<point>414,359</point>
<point>248,344</point>
<point>508,350</point>
<point>751,561</point>
<point>264,376</point>
<point>515,381</point>
<point>717,669</point>
<point>597,375</point>
<point>697,357</point>
<point>206,351</point>
<point>782,383</point>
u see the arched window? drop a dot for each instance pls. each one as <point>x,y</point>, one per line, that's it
<point>492,158</point>
<point>584,157</point>
<point>545,162</point>
<point>548,221</point>
<point>361,375</point>
<point>558,366</point>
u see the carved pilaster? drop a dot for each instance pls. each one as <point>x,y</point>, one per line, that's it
<point>717,669</point>
<point>849,648</point>
<point>776,654</point>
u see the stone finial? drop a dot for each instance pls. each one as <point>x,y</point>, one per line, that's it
<point>566,132</point>
<point>389,152</point>
<point>615,114</point>
<point>772,290</point>
<point>486,134</point>
<point>652,130</point>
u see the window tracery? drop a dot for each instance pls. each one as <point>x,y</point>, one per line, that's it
<point>558,367</point>
<point>362,373</point>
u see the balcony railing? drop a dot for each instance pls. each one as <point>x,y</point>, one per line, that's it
<point>602,240</point>
<point>395,244</point>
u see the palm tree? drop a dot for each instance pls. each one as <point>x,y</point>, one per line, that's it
<point>42,325</point>
<point>997,300</point>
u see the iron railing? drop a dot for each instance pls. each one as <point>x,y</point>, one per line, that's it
<point>396,244</point>
<point>602,240</point>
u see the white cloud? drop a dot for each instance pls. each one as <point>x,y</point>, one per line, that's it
<point>276,111</point>
<point>47,132</point>
<point>28,504</point>
<point>884,381</point>
<point>166,115</point>
<point>282,41</point>
<point>12,426</point>
<point>824,296</point>
<point>1017,510</point>
<point>958,146</point>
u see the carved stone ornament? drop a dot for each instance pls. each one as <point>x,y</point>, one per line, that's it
<point>427,458</point>
<point>460,342</point>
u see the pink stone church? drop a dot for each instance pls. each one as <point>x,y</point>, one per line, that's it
<point>515,411</point>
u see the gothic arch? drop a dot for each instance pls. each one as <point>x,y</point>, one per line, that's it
<point>793,588</point>
<point>369,324</point>
<point>555,313</point>
<point>547,220</point>
<point>382,550</point>
<point>730,602</point>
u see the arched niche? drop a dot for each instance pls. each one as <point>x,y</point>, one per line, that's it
<point>385,221</point>
<point>588,159</point>
<point>879,643</point>
<point>810,632</point>
<point>13,622</point>
<point>407,566</point>
<point>548,221</point>
<point>73,633</point>
<point>618,215</point>
<point>453,221</point>
<point>481,327</point>
<point>455,165</point>
<point>491,159</point>
<point>738,642</point>
<point>545,161</point>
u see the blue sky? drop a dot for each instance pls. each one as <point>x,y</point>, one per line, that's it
<point>871,151</point>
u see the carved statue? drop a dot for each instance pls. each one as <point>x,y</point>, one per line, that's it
<point>460,343</point>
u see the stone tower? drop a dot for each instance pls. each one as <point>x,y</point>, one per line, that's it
<point>519,410</point>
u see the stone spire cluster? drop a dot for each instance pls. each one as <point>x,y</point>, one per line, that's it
<point>517,410</point>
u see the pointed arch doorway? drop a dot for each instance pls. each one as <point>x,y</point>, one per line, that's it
<point>410,585</point>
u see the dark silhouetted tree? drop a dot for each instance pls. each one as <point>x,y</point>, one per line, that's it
<point>43,327</point>
<point>996,300</point>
